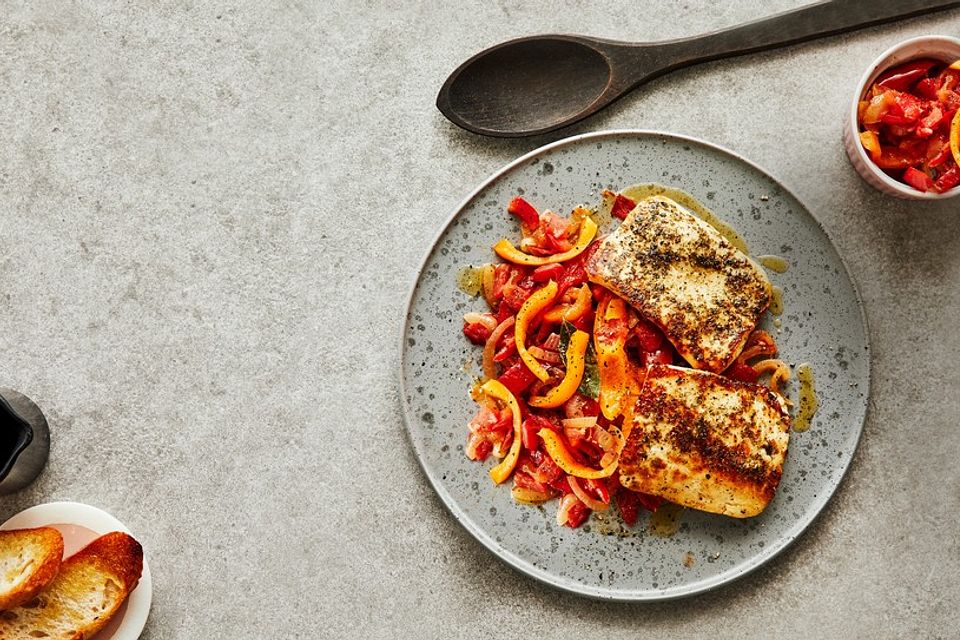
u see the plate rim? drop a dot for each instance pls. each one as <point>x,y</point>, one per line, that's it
<point>78,513</point>
<point>769,552</point>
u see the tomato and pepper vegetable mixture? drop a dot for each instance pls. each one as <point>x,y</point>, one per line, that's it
<point>910,124</point>
<point>563,361</point>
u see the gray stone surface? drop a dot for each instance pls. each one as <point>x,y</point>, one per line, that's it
<point>210,215</point>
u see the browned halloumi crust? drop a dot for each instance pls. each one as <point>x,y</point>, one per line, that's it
<point>682,275</point>
<point>706,442</point>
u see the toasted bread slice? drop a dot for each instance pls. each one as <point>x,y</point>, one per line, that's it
<point>706,442</point>
<point>29,561</point>
<point>85,595</point>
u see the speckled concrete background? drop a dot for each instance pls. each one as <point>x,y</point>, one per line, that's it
<point>210,215</point>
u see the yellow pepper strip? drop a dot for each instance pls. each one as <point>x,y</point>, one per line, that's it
<point>574,311</point>
<point>487,275</point>
<point>871,142</point>
<point>618,385</point>
<point>506,250</point>
<point>529,496</point>
<point>576,362</point>
<point>536,303</point>
<point>561,456</point>
<point>496,390</point>
<point>955,135</point>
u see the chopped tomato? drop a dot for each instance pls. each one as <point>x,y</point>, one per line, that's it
<point>622,206</point>
<point>546,469</point>
<point>501,274</point>
<point>517,289</point>
<point>908,106</point>
<point>917,179</point>
<point>555,232</point>
<point>649,502</point>
<point>525,211</point>
<point>525,480</point>
<point>577,515</point>
<point>742,372</point>
<point>575,274</point>
<point>547,272</point>
<point>580,406</point>
<point>517,378</point>
<point>659,356</point>
<point>649,336</point>
<point>948,180</point>
<point>629,505</point>
<point>476,332</point>
<point>561,484</point>
<point>481,449</point>
<point>927,88</point>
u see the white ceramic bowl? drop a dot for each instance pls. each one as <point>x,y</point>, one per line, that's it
<point>938,47</point>
<point>80,524</point>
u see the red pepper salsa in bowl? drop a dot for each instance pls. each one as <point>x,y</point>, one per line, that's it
<point>907,120</point>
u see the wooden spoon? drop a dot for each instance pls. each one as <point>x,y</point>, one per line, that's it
<point>537,84</point>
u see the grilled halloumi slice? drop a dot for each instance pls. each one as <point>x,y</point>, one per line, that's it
<point>682,275</point>
<point>706,442</point>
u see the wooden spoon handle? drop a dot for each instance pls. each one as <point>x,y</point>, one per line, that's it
<point>813,21</point>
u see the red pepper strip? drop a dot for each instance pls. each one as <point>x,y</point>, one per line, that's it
<point>530,439</point>
<point>940,157</point>
<point>622,206</point>
<point>599,488</point>
<point>901,77</point>
<point>525,211</point>
<point>576,274</point>
<point>508,348</point>
<point>547,272</point>
<point>917,179</point>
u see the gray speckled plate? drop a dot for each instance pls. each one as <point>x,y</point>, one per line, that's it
<point>823,323</point>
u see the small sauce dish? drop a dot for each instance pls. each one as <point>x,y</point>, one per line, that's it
<point>943,48</point>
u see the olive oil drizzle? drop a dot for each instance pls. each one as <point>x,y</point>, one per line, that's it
<point>774,263</point>
<point>641,191</point>
<point>776,301</point>
<point>665,521</point>
<point>470,280</point>
<point>808,398</point>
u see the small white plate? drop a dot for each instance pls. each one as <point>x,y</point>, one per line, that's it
<point>80,524</point>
